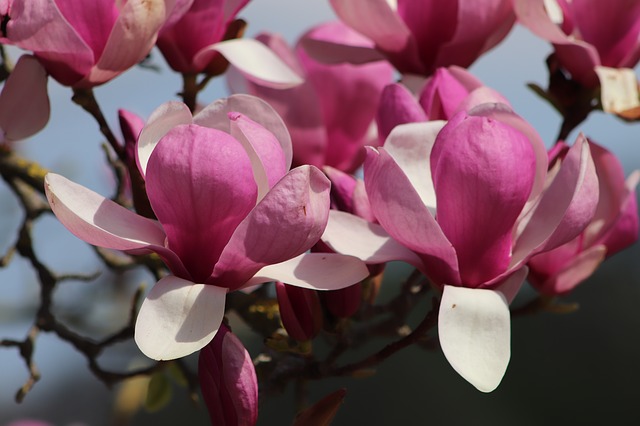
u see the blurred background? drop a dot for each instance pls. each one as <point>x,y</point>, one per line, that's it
<point>578,368</point>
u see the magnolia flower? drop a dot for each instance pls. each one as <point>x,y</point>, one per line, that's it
<point>417,36</point>
<point>88,43</point>
<point>586,33</point>
<point>24,103</point>
<point>613,227</point>
<point>445,93</point>
<point>230,215</point>
<point>330,116</point>
<point>228,381</point>
<point>468,203</point>
<point>186,44</point>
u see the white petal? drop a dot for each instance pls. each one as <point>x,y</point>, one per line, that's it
<point>178,317</point>
<point>410,146</point>
<point>98,220</point>
<point>348,234</point>
<point>257,62</point>
<point>316,271</point>
<point>474,329</point>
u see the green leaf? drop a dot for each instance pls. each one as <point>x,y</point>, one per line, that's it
<point>177,375</point>
<point>158,392</point>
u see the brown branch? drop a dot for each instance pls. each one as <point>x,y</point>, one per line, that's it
<point>428,322</point>
<point>87,100</point>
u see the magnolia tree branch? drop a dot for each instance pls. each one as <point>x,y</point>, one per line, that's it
<point>87,100</point>
<point>279,368</point>
<point>26,181</point>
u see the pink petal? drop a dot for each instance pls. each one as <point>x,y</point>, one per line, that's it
<point>432,24</point>
<point>93,21</point>
<point>578,57</point>
<point>164,118</point>
<point>510,286</point>
<point>565,208</point>
<point>216,116</point>
<point>257,62</point>
<point>24,103</point>
<point>613,191</point>
<point>480,26</point>
<point>203,24</point>
<point>624,231</point>
<point>504,113</point>
<point>334,52</point>
<point>533,15</point>
<point>101,222</point>
<point>361,204</point>
<point>39,25</point>
<point>579,268</point>
<point>410,146</point>
<point>342,188</point>
<point>315,271</point>
<point>200,185</point>
<point>376,20</point>
<point>265,153</point>
<point>442,95</point>
<point>351,235</point>
<point>130,40</point>
<point>612,28</point>
<point>297,206</point>
<point>483,173</point>
<point>349,96</point>
<point>178,317</point>
<point>401,212</point>
<point>474,329</point>
<point>397,106</point>
<point>175,10</point>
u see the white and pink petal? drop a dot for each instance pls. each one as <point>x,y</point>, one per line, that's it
<point>474,329</point>
<point>178,317</point>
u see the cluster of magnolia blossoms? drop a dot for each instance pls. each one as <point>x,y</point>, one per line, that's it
<point>86,46</point>
<point>454,183</point>
<point>220,186</point>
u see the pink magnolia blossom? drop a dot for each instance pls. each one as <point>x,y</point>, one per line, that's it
<point>586,33</point>
<point>198,38</point>
<point>24,103</point>
<point>185,44</point>
<point>228,381</point>
<point>468,203</point>
<point>219,184</point>
<point>613,227</point>
<point>330,116</point>
<point>417,36</point>
<point>84,44</point>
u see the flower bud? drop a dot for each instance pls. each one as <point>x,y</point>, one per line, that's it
<point>300,311</point>
<point>228,381</point>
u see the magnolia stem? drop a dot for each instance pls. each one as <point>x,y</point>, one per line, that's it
<point>190,90</point>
